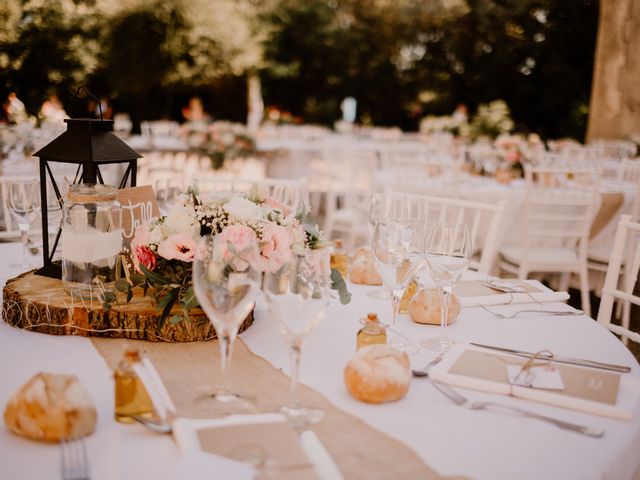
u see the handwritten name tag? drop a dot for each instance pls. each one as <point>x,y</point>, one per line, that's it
<point>138,206</point>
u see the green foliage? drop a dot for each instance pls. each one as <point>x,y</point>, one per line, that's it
<point>338,284</point>
<point>46,46</point>
<point>402,60</point>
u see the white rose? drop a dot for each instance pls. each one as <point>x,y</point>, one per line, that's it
<point>181,219</point>
<point>243,209</point>
<point>155,234</point>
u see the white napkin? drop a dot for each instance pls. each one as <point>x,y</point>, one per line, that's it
<point>541,294</point>
<point>185,433</point>
<point>514,298</point>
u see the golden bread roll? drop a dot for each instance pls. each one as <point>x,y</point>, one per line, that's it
<point>377,374</point>
<point>363,269</point>
<point>50,407</point>
<point>424,307</point>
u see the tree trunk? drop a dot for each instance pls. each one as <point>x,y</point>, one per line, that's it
<point>254,101</point>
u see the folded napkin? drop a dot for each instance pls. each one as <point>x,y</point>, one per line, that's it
<point>587,390</point>
<point>474,293</point>
<point>270,433</point>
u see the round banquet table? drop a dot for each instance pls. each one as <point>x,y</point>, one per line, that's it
<point>450,439</point>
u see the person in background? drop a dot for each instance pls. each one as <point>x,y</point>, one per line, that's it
<point>13,109</point>
<point>94,109</point>
<point>194,112</point>
<point>52,110</point>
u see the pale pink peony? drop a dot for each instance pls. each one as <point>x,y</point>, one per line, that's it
<point>179,246</point>
<point>141,236</point>
<point>237,245</point>
<point>277,205</point>
<point>275,248</point>
<point>143,255</point>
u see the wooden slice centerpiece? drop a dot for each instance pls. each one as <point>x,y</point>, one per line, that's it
<point>41,304</point>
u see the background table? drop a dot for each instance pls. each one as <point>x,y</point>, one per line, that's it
<point>452,440</point>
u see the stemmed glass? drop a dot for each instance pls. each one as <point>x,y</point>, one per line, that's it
<point>375,213</point>
<point>227,295</point>
<point>397,263</point>
<point>23,201</point>
<point>297,296</point>
<point>447,250</point>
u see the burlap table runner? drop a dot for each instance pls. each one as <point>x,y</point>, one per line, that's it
<point>611,203</point>
<point>188,371</point>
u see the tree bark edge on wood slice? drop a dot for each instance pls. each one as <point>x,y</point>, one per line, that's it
<point>41,304</point>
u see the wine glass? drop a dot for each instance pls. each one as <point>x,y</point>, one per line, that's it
<point>297,295</point>
<point>23,201</point>
<point>226,292</point>
<point>447,250</point>
<point>397,263</point>
<point>375,213</point>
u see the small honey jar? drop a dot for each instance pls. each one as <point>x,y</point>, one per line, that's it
<point>340,259</point>
<point>371,333</point>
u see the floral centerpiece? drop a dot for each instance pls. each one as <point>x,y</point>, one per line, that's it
<point>220,141</point>
<point>253,229</point>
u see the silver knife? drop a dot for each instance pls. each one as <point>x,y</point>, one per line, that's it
<point>567,360</point>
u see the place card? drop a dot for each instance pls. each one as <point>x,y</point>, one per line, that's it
<point>544,376</point>
<point>139,206</point>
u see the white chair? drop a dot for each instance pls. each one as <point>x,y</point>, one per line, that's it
<point>292,193</point>
<point>414,167</point>
<point>626,250</point>
<point>629,171</point>
<point>348,177</point>
<point>484,221</point>
<point>559,208</point>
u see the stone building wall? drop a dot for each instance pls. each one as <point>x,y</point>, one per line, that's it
<point>615,95</point>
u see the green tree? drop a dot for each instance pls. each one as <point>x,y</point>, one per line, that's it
<point>47,46</point>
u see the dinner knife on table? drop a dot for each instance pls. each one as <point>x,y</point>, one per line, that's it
<point>582,362</point>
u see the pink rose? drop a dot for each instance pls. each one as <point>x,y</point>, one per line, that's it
<point>275,248</point>
<point>179,246</point>
<point>237,245</point>
<point>512,156</point>
<point>141,236</point>
<point>277,205</point>
<point>143,255</point>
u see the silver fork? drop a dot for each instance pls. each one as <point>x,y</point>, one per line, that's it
<point>558,313</point>
<point>458,399</point>
<point>424,372</point>
<point>74,463</point>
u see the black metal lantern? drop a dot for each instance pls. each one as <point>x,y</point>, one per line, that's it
<point>87,143</point>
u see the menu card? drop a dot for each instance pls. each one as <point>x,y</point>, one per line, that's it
<point>585,389</point>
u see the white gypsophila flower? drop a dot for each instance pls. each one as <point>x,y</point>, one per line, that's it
<point>181,219</point>
<point>243,209</point>
<point>155,233</point>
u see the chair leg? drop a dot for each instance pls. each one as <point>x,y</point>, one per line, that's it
<point>564,281</point>
<point>584,292</point>
<point>522,273</point>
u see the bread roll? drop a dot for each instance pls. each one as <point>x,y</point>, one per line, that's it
<point>363,269</point>
<point>378,374</point>
<point>50,407</point>
<point>424,307</point>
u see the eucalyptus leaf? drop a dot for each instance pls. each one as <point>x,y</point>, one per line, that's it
<point>122,285</point>
<point>338,284</point>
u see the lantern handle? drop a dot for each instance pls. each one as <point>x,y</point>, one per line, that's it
<point>88,92</point>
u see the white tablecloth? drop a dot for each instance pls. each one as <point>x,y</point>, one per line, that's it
<point>452,440</point>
